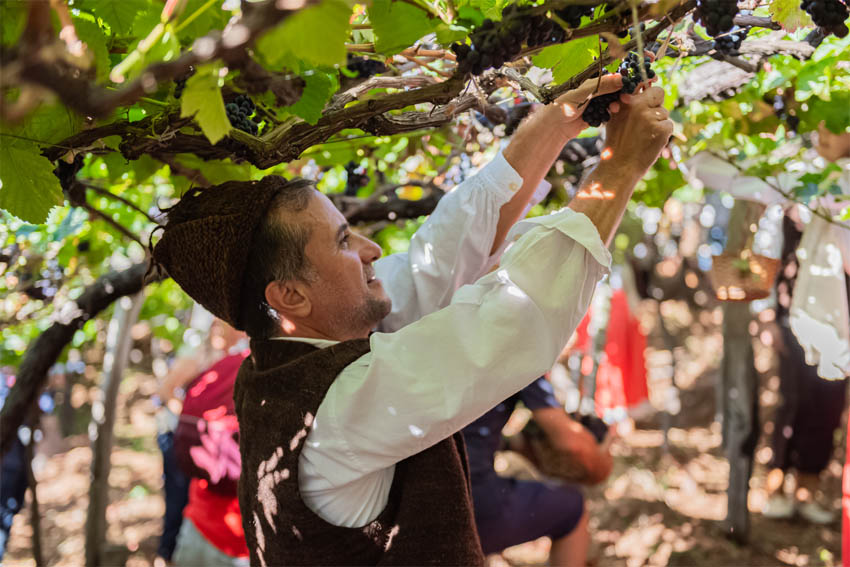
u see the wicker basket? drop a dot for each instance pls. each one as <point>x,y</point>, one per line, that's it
<point>743,277</point>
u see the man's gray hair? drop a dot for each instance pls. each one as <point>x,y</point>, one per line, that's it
<point>277,254</point>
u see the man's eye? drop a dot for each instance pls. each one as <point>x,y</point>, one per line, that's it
<point>344,241</point>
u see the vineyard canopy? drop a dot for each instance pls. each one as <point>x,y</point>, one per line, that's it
<point>112,109</point>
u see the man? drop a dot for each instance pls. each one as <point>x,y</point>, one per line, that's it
<point>349,441</point>
<point>510,511</point>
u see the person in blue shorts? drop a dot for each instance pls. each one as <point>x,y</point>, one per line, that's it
<point>509,511</point>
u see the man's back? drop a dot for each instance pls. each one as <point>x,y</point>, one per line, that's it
<point>428,518</point>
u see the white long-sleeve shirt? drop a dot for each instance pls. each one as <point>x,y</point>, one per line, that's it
<point>445,356</point>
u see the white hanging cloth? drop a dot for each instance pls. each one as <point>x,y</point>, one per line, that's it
<point>819,314</point>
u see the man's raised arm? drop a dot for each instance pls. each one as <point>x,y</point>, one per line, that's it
<point>540,139</point>
<point>436,375</point>
<point>634,138</point>
<point>455,245</point>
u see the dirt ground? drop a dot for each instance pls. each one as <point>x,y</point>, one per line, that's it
<point>664,504</point>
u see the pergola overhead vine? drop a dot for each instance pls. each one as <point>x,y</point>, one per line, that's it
<point>38,61</point>
<point>304,95</point>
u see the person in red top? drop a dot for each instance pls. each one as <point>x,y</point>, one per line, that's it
<point>207,447</point>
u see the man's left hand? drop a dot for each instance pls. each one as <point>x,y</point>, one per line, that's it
<point>571,104</point>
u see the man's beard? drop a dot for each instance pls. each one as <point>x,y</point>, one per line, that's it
<point>375,309</point>
<point>368,315</point>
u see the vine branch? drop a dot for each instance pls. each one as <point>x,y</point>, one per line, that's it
<point>33,64</point>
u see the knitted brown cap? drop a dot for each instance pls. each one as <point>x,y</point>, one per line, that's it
<point>206,240</point>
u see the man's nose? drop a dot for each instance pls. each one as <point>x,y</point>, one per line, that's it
<point>369,251</point>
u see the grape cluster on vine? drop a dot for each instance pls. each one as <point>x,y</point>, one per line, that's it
<point>239,113</point>
<point>573,14</point>
<point>729,43</point>
<point>597,112</point>
<point>495,43</point>
<point>828,14</point>
<point>364,67</point>
<point>781,110</point>
<point>717,16</point>
<point>356,178</point>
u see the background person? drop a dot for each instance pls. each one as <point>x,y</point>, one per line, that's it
<point>207,449</point>
<point>219,340</point>
<point>509,511</point>
<point>810,409</point>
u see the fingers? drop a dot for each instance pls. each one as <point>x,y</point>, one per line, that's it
<point>609,83</point>
<point>652,96</point>
<point>590,88</point>
<point>666,128</point>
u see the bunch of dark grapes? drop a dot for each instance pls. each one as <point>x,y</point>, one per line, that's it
<point>364,67</point>
<point>239,113</point>
<point>717,16</point>
<point>828,14</point>
<point>730,43</point>
<point>597,109</point>
<point>356,178</point>
<point>495,43</point>
<point>572,15</point>
<point>631,31</point>
<point>180,83</point>
<point>780,109</point>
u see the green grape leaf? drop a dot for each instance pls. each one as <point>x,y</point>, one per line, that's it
<point>468,14</point>
<point>13,18</point>
<point>318,89</point>
<point>48,124</point>
<point>165,48</point>
<point>90,33</point>
<point>789,15</point>
<point>202,97</point>
<point>398,25</point>
<point>834,113</point>
<point>116,165</point>
<point>490,8</point>
<point>568,59</point>
<point>118,15</point>
<point>315,35</point>
<point>448,34</point>
<point>144,167</point>
<point>144,22</point>
<point>217,171</point>
<point>28,187</point>
<point>210,17</point>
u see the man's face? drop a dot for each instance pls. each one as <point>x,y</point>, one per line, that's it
<point>347,298</point>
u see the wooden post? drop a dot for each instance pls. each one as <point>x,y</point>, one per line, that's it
<point>35,520</point>
<point>118,342</point>
<point>740,419</point>
<point>739,382</point>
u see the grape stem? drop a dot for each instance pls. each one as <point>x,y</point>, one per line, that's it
<point>424,65</point>
<point>524,82</point>
<point>194,15</point>
<point>639,39</point>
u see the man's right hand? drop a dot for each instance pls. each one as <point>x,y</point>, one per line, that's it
<point>638,132</point>
<point>634,138</point>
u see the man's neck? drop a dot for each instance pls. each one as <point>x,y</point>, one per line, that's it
<point>302,331</point>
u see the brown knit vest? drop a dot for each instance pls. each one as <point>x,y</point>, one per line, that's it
<point>428,519</point>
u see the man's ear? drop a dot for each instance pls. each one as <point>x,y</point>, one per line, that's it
<point>289,299</point>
